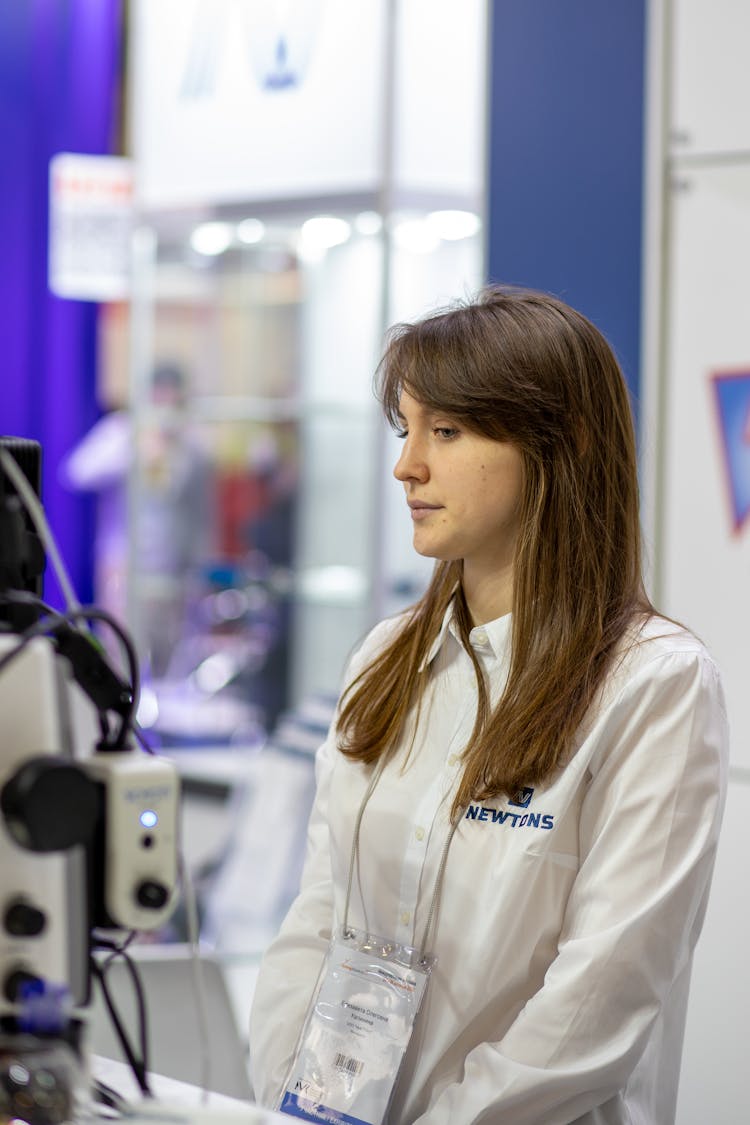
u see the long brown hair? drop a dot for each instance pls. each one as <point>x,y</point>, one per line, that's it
<point>520,366</point>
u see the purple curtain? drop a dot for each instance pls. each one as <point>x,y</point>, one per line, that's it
<point>59,89</point>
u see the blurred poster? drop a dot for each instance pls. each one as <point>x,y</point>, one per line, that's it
<point>90,217</point>
<point>732,392</point>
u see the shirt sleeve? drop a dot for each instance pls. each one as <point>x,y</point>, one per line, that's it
<point>648,833</point>
<point>291,964</point>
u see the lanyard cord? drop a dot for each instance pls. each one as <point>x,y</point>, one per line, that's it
<point>355,843</point>
<point>432,913</point>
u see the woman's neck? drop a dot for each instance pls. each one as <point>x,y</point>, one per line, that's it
<point>488,595</point>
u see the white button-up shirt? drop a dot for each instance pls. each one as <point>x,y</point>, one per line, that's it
<point>568,914</point>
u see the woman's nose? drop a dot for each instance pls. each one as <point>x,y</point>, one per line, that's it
<point>410,465</point>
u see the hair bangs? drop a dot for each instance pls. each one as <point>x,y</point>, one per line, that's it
<point>416,363</point>
<point>440,362</point>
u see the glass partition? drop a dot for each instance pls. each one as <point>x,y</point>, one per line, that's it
<point>267,534</point>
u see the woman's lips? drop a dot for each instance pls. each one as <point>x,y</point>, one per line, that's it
<point>420,511</point>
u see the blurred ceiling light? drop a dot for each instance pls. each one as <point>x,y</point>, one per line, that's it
<point>250,231</point>
<point>415,236</point>
<point>368,222</point>
<point>211,238</point>
<point>454,225</point>
<point>323,232</point>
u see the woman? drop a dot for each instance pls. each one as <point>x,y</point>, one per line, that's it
<point>531,727</point>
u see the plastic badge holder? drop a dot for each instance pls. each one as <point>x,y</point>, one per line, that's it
<point>357,1030</point>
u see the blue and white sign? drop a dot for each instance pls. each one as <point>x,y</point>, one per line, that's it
<point>733,403</point>
<point>279,37</point>
<point>256,99</point>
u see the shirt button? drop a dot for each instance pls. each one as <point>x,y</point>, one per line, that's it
<point>419,833</point>
<point>405,918</point>
<point>452,759</point>
<point>479,637</point>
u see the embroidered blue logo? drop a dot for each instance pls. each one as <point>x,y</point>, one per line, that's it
<point>522,800</point>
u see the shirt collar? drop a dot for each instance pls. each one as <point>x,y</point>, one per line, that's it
<point>437,644</point>
<point>493,636</point>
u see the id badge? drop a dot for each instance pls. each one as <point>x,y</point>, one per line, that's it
<point>356,1030</point>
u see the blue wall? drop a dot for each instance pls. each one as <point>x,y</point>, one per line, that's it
<point>59,74</point>
<point>566,157</point>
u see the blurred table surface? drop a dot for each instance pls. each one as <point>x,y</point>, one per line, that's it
<point>177,1102</point>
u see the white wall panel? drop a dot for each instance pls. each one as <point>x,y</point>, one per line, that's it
<point>706,559</point>
<point>711,78</point>
<point>713,1083</point>
<point>440,96</point>
<point>702,541</point>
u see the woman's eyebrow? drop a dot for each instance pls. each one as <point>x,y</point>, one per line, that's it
<point>431,413</point>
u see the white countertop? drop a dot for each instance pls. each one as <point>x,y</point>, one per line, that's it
<point>177,1102</point>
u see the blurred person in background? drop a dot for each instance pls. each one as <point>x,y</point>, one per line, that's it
<point>171,519</point>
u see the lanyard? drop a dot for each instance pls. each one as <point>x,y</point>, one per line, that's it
<point>432,913</point>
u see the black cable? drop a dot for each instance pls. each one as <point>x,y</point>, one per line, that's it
<point>87,612</point>
<point>93,613</point>
<point>140,734</point>
<point>134,1063</point>
<point>119,949</point>
<point>141,1007</point>
<point>53,622</point>
<point>25,597</point>
<point>114,946</point>
<point>106,1095</point>
<point>38,629</point>
<point>137,1066</point>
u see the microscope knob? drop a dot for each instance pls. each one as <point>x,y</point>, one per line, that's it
<point>15,980</point>
<point>21,919</point>
<point>151,895</point>
<point>49,805</point>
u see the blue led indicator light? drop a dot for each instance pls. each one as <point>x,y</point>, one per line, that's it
<point>149,819</point>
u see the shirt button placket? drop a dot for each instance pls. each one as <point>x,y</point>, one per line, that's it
<point>415,862</point>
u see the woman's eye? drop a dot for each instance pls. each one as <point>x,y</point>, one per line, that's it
<point>446,432</point>
<point>401,433</point>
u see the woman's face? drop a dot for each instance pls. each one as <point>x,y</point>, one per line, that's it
<point>463,490</point>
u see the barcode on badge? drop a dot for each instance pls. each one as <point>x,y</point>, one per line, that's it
<point>351,1066</point>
